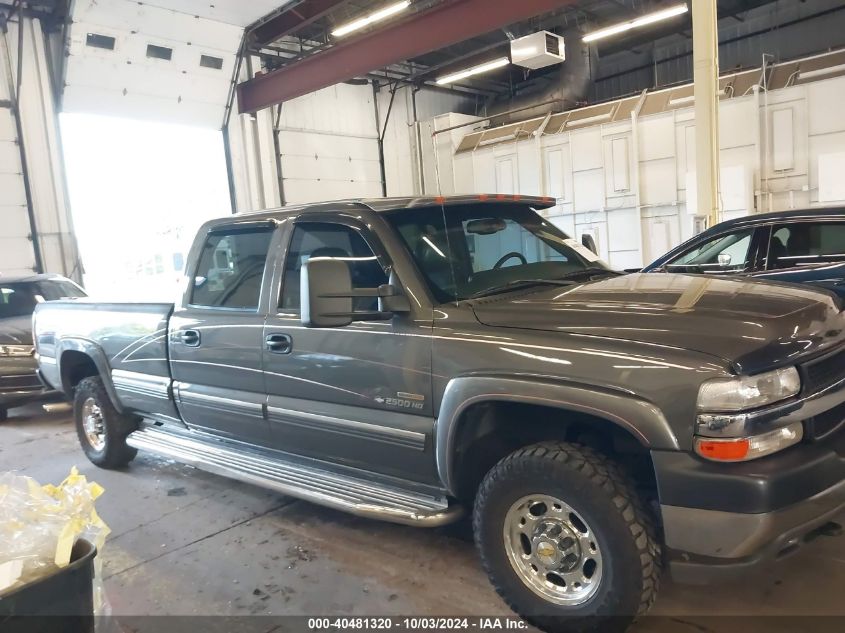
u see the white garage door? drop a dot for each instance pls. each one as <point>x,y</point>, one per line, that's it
<point>16,254</point>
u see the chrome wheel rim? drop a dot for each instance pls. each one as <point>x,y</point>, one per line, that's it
<point>93,425</point>
<point>553,550</point>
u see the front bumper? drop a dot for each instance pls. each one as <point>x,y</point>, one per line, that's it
<point>720,520</point>
<point>20,383</point>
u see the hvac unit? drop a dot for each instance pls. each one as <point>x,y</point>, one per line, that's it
<point>538,50</point>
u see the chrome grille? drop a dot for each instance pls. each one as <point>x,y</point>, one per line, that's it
<point>826,423</point>
<point>822,373</point>
<point>22,381</point>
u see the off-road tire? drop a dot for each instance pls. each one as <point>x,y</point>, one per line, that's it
<point>594,486</point>
<point>115,453</point>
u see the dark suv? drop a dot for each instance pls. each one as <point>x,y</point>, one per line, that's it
<point>19,382</point>
<point>805,246</point>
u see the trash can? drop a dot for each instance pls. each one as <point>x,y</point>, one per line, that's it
<point>60,603</point>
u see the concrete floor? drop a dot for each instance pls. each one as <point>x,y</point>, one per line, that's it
<point>185,542</point>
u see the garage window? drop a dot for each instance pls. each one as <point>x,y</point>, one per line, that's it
<point>159,52</point>
<point>95,40</point>
<point>230,269</point>
<point>208,61</point>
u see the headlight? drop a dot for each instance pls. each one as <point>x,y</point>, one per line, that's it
<point>16,350</point>
<point>749,392</point>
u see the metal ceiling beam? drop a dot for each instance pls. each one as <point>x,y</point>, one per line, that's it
<point>290,20</point>
<point>447,23</point>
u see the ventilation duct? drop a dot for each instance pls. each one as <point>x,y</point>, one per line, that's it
<point>568,85</point>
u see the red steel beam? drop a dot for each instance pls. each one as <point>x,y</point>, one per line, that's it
<point>291,20</point>
<point>447,23</point>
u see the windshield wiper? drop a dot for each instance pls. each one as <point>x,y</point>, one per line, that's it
<point>592,270</point>
<point>516,283</point>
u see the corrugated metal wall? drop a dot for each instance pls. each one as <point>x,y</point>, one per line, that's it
<point>743,42</point>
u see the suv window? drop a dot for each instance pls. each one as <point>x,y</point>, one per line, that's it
<point>804,243</point>
<point>58,289</point>
<point>316,239</point>
<point>230,269</point>
<point>20,298</point>
<point>17,299</point>
<point>724,253</point>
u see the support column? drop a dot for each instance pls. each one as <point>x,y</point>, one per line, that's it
<point>705,38</point>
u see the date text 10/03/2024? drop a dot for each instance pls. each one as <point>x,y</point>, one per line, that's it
<point>417,623</point>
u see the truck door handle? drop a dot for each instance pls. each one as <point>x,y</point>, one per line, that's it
<point>278,343</point>
<point>191,338</point>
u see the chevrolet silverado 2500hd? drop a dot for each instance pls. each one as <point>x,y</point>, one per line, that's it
<point>412,359</point>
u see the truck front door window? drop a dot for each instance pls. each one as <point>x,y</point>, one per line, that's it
<point>230,269</point>
<point>314,239</point>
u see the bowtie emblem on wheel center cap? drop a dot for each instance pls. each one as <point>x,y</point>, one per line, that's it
<point>547,553</point>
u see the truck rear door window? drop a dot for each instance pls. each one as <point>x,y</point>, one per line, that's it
<point>230,269</point>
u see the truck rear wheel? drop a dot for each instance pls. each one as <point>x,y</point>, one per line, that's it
<point>101,429</point>
<point>566,539</point>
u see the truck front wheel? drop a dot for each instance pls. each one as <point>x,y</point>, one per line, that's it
<point>101,429</point>
<point>566,539</point>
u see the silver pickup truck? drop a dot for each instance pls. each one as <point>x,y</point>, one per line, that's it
<point>415,359</point>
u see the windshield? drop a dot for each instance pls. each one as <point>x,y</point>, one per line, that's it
<point>487,246</point>
<point>19,299</point>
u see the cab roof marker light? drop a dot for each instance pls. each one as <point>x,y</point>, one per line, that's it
<point>376,16</point>
<point>650,18</point>
<point>474,70</point>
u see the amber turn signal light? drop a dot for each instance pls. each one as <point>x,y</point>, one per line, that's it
<point>722,451</point>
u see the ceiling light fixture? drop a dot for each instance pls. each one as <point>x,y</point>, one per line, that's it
<point>376,16</point>
<point>650,18</point>
<point>475,70</point>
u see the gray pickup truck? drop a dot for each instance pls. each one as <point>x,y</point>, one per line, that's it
<point>415,359</point>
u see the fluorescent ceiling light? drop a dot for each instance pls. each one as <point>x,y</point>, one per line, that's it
<point>498,139</point>
<point>680,100</point>
<point>475,70</point>
<point>433,246</point>
<point>589,119</point>
<point>377,16</point>
<point>650,18</point>
<point>820,72</point>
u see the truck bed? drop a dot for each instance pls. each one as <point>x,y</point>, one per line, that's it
<point>128,340</point>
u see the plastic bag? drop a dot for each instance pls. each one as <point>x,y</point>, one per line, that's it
<point>40,524</point>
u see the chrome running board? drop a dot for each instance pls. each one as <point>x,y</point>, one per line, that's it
<point>304,481</point>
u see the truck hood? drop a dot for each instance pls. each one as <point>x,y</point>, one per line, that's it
<point>16,330</point>
<point>753,325</point>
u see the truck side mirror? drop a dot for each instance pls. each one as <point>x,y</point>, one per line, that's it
<point>326,295</point>
<point>724,260</point>
<point>588,241</point>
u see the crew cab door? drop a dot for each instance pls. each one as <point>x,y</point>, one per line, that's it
<point>358,395</point>
<point>215,336</point>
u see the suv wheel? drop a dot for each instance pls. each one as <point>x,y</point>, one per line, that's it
<point>101,429</point>
<point>566,539</point>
